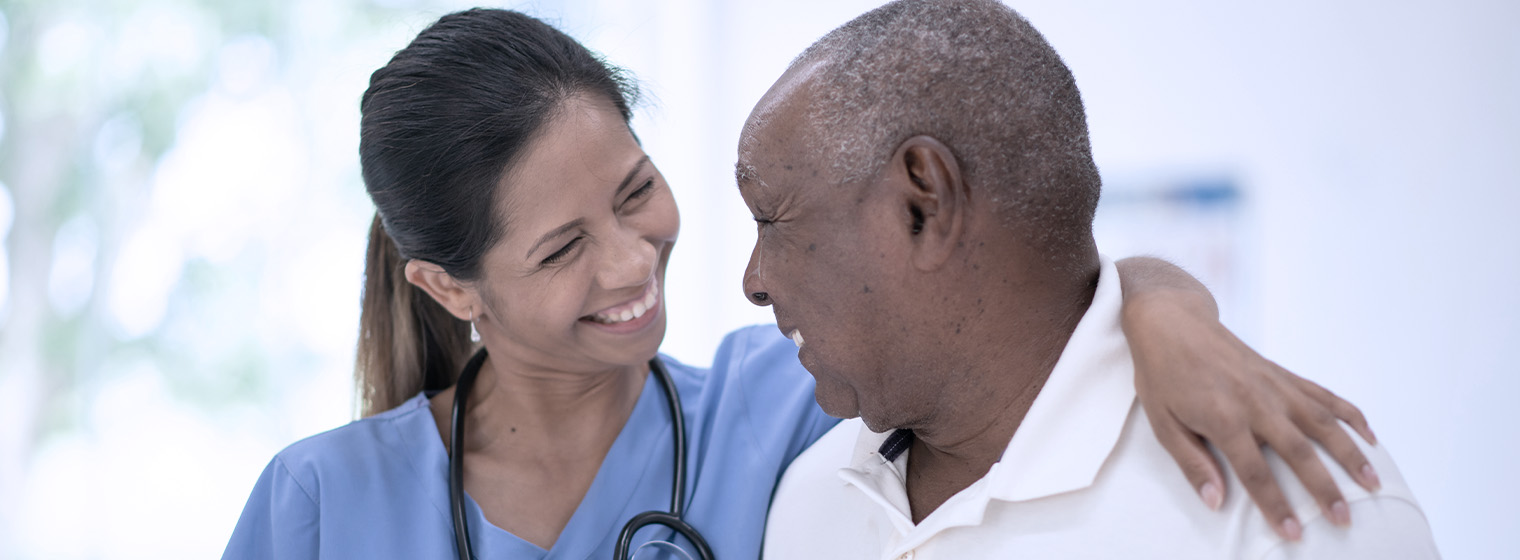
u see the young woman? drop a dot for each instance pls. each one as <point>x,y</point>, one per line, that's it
<point>516,208</point>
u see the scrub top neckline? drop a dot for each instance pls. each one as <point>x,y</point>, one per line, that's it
<point>633,455</point>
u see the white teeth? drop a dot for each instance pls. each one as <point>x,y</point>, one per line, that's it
<point>638,309</point>
<point>796,337</point>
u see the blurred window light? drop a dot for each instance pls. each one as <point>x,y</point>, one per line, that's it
<point>142,280</point>
<point>72,277</point>
<point>165,39</point>
<point>5,30</point>
<point>316,282</point>
<point>55,495</point>
<point>7,213</point>
<point>64,46</point>
<point>118,143</point>
<point>237,165</point>
<point>5,284</point>
<point>246,65</point>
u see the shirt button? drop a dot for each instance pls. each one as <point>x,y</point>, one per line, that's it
<point>906,556</point>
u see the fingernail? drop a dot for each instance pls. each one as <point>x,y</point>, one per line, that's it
<point>1340,514</point>
<point>1291,530</point>
<point>1370,475</point>
<point>1211,495</point>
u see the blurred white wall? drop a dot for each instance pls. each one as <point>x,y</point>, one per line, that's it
<point>1375,144</point>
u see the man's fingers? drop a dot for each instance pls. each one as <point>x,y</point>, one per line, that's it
<point>1296,450</point>
<point>1340,407</point>
<point>1200,467</point>
<point>1245,457</point>
<point>1321,425</point>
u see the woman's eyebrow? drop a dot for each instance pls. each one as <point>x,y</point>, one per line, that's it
<point>635,171</point>
<point>578,222</point>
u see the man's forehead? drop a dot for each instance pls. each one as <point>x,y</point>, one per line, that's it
<point>777,127</point>
<point>781,104</point>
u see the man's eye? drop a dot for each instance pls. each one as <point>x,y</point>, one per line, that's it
<point>562,252</point>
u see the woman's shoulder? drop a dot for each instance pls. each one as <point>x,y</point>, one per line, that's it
<point>334,489</point>
<point>754,351</point>
<point>756,347</point>
<point>756,382</point>
<point>360,442</point>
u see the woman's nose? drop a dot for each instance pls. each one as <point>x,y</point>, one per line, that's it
<point>633,263</point>
<point>754,288</point>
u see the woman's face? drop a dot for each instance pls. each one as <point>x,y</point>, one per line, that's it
<point>576,282</point>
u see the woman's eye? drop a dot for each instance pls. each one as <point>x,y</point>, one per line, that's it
<point>562,252</point>
<point>644,190</point>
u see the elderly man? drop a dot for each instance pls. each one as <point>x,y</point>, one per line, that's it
<point>925,189</point>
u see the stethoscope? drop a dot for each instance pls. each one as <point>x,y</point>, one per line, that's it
<point>671,519</point>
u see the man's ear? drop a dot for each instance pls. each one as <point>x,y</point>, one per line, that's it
<point>458,298</point>
<point>934,199</point>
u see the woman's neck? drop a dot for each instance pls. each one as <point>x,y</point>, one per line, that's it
<point>511,399</point>
<point>535,439</point>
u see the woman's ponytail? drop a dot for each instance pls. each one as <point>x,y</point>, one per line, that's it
<point>407,342</point>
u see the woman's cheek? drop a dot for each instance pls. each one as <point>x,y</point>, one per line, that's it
<point>670,216</point>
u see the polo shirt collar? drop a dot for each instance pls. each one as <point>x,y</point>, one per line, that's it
<point>1064,439</point>
<point>1077,419</point>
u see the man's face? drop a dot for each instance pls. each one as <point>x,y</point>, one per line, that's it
<point>828,259</point>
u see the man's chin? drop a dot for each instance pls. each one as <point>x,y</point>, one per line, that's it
<point>836,405</point>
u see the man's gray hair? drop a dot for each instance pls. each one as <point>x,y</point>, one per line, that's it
<point>978,77</point>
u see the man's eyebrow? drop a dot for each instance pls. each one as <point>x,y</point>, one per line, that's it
<point>578,222</point>
<point>635,171</point>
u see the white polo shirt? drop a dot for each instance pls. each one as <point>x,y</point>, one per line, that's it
<point>1083,477</point>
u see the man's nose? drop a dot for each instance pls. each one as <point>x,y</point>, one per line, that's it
<point>754,289</point>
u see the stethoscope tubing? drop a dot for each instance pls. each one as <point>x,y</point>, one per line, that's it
<point>456,454</point>
<point>672,518</point>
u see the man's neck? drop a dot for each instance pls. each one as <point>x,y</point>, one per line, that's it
<point>988,401</point>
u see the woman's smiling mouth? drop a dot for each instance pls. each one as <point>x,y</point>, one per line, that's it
<point>620,315</point>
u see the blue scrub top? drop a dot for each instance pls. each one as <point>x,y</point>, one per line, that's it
<point>378,487</point>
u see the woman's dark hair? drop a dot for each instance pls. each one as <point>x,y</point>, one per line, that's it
<point>441,124</point>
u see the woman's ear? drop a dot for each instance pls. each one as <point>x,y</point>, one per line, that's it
<point>458,298</point>
<point>934,199</point>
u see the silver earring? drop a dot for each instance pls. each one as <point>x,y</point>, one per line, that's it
<point>474,334</point>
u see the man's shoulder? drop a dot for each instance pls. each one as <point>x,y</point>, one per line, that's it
<point>1141,474</point>
<point>1384,521</point>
